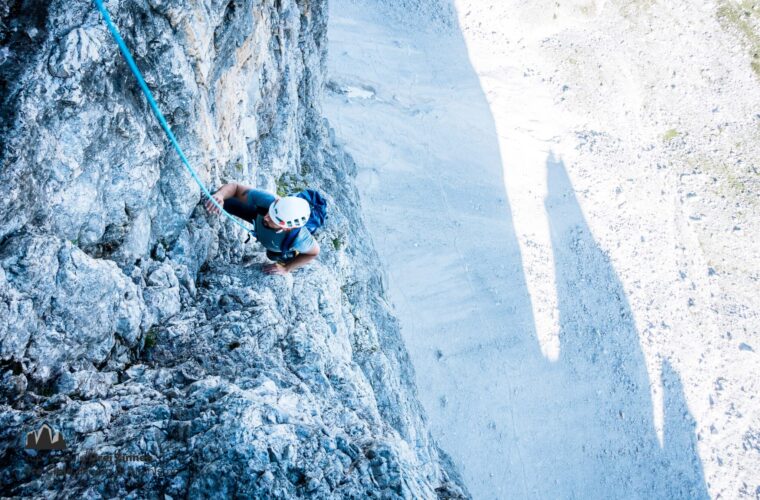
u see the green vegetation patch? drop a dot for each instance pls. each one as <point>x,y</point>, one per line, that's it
<point>670,135</point>
<point>733,183</point>
<point>151,337</point>
<point>288,184</point>
<point>744,17</point>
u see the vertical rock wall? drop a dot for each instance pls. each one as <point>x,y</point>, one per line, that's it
<point>138,325</point>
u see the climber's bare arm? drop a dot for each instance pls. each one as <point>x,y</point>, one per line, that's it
<point>231,190</point>
<point>301,260</point>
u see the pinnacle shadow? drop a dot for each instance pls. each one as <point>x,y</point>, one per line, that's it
<point>680,440</point>
<point>601,357</point>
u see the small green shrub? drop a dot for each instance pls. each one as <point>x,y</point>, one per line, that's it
<point>670,135</point>
<point>287,184</point>
<point>151,337</point>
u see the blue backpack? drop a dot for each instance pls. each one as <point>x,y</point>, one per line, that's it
<point>317,218</point>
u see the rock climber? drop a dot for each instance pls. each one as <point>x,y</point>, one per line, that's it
<point>273,218</point>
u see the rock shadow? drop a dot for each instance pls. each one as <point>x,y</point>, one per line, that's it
<point>601,358</point>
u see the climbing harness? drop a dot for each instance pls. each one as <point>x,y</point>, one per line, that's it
<point>159,115</point>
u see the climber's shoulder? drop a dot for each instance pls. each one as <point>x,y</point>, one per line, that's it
<point>306,243</point>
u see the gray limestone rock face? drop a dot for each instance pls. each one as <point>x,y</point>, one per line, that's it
<point>81,305</point>
<point>141,327</point>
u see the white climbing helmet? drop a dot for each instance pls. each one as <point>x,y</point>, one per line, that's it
<point>290,211</point>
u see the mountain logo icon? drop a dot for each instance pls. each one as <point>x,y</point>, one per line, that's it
<point>45,438</point>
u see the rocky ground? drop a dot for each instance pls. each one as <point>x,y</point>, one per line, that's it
<point>564,195</point>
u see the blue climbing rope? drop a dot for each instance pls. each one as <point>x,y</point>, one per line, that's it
<point>157,112</point>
